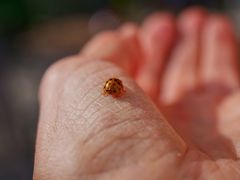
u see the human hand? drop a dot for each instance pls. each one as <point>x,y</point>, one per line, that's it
<point>190,76</point>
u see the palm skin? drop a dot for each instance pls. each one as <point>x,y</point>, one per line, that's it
<point>190,76</point>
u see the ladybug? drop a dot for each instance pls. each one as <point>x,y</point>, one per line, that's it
<point>113,87</point>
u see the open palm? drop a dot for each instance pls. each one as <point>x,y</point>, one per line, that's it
<point>186,66</point>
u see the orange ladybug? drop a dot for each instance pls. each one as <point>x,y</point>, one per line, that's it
<point>113,87</point>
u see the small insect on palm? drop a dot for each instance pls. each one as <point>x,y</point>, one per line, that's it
<point>113,87</point>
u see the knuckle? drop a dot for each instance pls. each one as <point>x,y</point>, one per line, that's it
<point>57,73</point>
<point>57,69</point>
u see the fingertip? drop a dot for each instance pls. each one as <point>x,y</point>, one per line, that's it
<point>159,26</point>
<point>129,29</point>
<point>195,11</point>
<point>192,20</point>
<point>95,49</point>
<point>154,18</point>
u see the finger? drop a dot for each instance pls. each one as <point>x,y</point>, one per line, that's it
<point>228,115</point>
<point>219,56</point>
<point>120,47</point>
<point>83,134</point>
<point>157,36</point>
<point>130,37</point>
<point>181,72</point>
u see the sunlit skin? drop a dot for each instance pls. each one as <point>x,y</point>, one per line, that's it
<point>178,119</point>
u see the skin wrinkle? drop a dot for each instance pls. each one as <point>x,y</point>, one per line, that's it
<point>110,105</point>
<point>217,169</point>
<point>158,157</point>
<point>47,124</point>
<point>69,125</point>
<point>109,126</point>
<point>136,161</point>
<point>228,162</point>
<point>127,148</point>
<point>236,169</point>
<point>102,150</point>
<point>222,171</point>
<point>110,145</point>
<point>195,162</point>
<point>47,157</point>
<point>234,166</point>
<point>99,173</point>
<point>98,110</point>
<point>50,160</point>
<point>118,105</point>
<point>62,157</point>
<point>89,104</point>
<point>112,175</point>
<point>212,161</point>
<point>138,142</point>
<point>122,123</point>
<point>88,78</point>
<point>72,116</point>
<point>117,123</point>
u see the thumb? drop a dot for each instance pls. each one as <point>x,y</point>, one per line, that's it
<point>85,135</point>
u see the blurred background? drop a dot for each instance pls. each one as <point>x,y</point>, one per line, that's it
<point>34,34</point>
